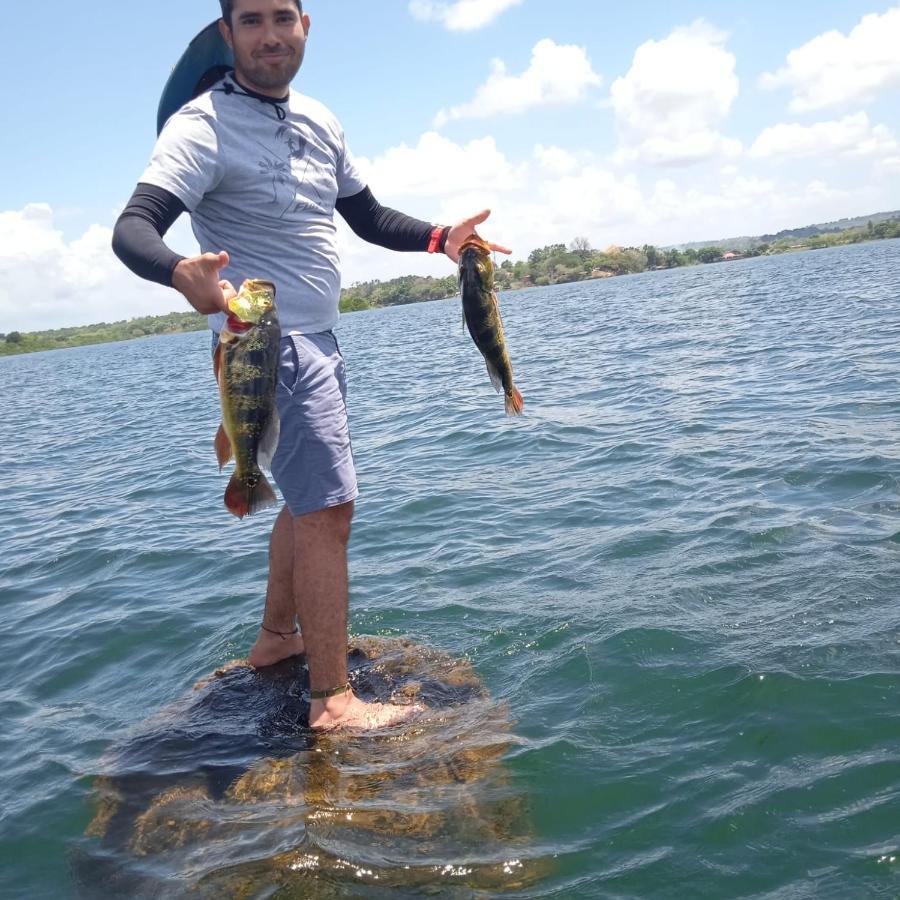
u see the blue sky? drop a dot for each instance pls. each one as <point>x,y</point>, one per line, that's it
<point>645,122</point>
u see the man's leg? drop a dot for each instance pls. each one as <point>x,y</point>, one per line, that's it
<point>280,611</point>
<point>320,588</point>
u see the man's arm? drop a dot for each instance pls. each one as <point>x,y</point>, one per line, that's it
<point>138,234</point>
<point>387,227</point>
<point>138,242</point>
<point>392,229</point>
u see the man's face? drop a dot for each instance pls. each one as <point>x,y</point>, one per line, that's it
<point>268,38</point>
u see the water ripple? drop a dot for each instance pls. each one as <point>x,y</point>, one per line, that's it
<point>675,575</point>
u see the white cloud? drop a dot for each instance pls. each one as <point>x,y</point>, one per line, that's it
<point>548,195</point>
<point>438,166</point>
<point>463,15</point>
<point>555,159</point>
<point>549,208</point>
<point>559,74</point>
<point>680,150</point>
<point>47,281</point>
<point>436,180</point>
<point>748,205</point>
<point>554,193</point>
<point>593,200</point>
<point>677,91</point>
<point>730,196</point>
<point>821,190</point>
<point>889,166</point>
<point>834,68</point>
<point>851,136</point>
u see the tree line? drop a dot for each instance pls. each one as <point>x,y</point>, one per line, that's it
<point>553,264</point>
<point>559,264</point>
<point>100,333</point>
<point>396,292</point>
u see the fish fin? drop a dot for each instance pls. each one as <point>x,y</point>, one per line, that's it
<point>217,361</point>
<point>223,447</point>
<point>265,453</point>
<point>242,500</point>
<point>514,403</point>
<point>496,380</point>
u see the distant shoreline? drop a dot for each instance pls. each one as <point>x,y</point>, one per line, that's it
<point>547,266</point>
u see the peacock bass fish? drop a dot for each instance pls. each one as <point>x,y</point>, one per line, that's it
<point>481,313</point>
<point>246,367</point>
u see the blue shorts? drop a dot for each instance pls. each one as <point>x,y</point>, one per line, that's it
<point>313,465</point>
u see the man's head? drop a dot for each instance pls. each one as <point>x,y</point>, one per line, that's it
<point>268,38</point>
<point>228,9</point>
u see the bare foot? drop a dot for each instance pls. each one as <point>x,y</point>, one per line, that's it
<point>348,711</point>
<point>272,648</point>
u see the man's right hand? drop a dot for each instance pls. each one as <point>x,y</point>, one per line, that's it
<point>197,277</point>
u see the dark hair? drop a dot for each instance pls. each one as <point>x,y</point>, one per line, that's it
<point>228,9</point>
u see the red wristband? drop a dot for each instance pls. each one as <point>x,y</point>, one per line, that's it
<point>434,244</point>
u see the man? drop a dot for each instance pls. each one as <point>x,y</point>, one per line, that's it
<point>261,170</point>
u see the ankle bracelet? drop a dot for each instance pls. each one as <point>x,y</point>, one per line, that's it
<point>331,692</point>
<point>284,634</point>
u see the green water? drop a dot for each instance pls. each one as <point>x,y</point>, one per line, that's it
<point>676,576</point>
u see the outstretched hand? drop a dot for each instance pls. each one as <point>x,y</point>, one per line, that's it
<point>466,229</point>
<point>197,277</point>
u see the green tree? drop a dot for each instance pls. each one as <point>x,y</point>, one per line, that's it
<point>634,260</point>
<point>14,337</point>
<point>353,304</point>
<point>710,254</point>
<point>654,257</point>
<point>538,256</point>
<point>581,246</point>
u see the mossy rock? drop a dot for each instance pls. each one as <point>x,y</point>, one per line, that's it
<point>227,793</point>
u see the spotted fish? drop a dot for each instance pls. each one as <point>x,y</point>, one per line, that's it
<point>246,367</point>
<point>481,313</point>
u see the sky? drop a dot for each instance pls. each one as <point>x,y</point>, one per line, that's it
<point>623,123</point>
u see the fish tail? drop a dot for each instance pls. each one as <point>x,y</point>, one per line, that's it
<point>514,403</point>
<point>243,498</point>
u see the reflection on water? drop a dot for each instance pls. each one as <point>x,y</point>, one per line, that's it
<point>226,793</point>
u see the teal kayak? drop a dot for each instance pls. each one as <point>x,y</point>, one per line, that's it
<point>205,61</point>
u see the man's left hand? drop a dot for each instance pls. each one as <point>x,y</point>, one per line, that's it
<point>465,229</point>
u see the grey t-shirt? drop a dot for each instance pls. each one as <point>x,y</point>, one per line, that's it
<point>264,190</point>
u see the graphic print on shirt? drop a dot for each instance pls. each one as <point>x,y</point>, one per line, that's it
<point>287,164</point>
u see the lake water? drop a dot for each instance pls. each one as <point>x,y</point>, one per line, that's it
<point>677,576</point>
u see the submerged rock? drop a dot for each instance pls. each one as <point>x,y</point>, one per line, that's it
<point>227,793</point>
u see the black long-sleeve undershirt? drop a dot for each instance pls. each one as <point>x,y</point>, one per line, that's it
<point>382,225</point>
<point>138,233</point>
<point>151,212</point>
